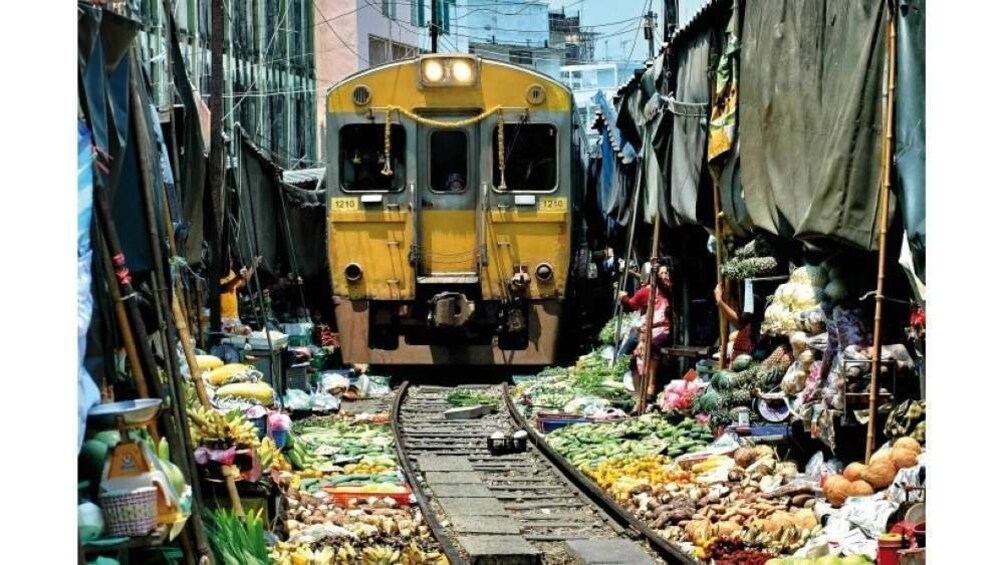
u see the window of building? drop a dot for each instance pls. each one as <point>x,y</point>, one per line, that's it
<point>362,160</point>
<point>379,50</point>
<point>418,13</point>
<point>389,8</point>
<point>531,157</point>
<point>448,161</point>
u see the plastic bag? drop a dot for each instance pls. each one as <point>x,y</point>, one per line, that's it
<point>818,468</point>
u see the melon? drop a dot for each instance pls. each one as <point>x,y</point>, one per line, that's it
<point>91,461</point>
<point>908,443</point>
<point>853,471</point>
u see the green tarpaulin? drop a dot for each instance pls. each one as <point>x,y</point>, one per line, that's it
<point>810,111</point>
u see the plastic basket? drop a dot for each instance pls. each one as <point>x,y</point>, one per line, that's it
<point>298,378</point>
<point>548,422</point>
<point>261,424</point>
<point>343,497</point>
<point>130,513</point>
<point>299,340</point>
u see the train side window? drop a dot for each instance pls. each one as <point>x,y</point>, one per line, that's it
<point>448,161</point>
<point>531,157</point>
<point>362,161</point>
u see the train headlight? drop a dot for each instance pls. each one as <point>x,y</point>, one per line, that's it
<point>462,71</point>
<point>353,272</point>
<point>432,71</point>
<point>447,70</point>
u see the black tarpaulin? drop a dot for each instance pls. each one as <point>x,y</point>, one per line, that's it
<point>911,131</point>
<point>690,128</point>
<point>191,179</point>
<point>259,232</point>
<point>810,102</point>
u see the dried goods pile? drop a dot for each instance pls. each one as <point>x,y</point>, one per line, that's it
<point>346,500</point>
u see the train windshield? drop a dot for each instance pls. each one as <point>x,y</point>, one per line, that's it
<point>531,157</point>
<point>448,161</point>
<point>363,159</point>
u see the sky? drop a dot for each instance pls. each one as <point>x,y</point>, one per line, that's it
<point>603,12</point>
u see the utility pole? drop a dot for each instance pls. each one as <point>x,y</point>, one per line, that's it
<point>650,18</point>
<point>434,26</point>
<point>214,202</point>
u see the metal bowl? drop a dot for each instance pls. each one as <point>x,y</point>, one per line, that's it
<point>133,412</point>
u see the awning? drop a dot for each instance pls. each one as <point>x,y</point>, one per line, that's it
<point>310,177</point>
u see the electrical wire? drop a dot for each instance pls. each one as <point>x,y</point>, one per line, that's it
<point>648,7</point>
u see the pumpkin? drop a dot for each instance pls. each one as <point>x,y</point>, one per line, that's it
<point>903,457</point>
<point>837,489</point>
<point>853,471</point>
<point>880,474</point>
<point>861,488</point>
<point>881,455</point>
<point>908,443</point>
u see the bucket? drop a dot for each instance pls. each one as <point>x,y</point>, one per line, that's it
<point>888,549</point>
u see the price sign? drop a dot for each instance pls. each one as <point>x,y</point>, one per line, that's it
<point>345,204</point>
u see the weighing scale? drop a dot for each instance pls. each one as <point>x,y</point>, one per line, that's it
<point>131,462</point>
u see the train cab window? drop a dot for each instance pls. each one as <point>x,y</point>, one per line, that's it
<point>448,161</point>
<point>362,159</point>
<point>531,157</point>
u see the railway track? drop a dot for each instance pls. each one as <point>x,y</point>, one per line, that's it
<point>528,507</point>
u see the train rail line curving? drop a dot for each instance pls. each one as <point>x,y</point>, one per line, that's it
<point>525,507</point>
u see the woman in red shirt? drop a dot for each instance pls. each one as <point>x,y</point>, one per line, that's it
<point>661,335</point>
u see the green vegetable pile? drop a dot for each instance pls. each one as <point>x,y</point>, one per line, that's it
<point>587,445</point>
<point>461,397</point>
<point>236,541</point>
<point>608,333</point>
<point>317,441</point>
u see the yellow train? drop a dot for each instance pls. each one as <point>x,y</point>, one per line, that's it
<point>453,184</point>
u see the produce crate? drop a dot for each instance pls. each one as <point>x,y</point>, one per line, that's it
<point>342,497</point>
<point>547,422</point>
<point>299,341</point>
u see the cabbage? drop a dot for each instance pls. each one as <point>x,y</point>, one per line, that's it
<point>810,275</point>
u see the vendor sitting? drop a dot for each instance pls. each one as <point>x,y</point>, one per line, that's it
<point>228,293</point>
<point>661,330</point>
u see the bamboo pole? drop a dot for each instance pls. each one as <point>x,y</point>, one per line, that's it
<point>174,389</point>
<point>128,342</point>
<point>723,328</point>
<point>627,269</point>
<point>889,100</point>
<point>649,315</point>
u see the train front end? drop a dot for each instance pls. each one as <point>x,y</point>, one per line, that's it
<point>450,212</point>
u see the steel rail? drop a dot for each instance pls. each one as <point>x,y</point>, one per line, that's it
<point>666,549</point>
<point>423,501</point>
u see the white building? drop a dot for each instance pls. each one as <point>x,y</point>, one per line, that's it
<point>586,80</point>
<point>514,31</point>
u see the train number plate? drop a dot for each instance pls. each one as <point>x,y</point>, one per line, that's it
<point>557,204</point>
<point>345,204</point>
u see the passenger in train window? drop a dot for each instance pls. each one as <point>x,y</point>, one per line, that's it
<point>455,183</point>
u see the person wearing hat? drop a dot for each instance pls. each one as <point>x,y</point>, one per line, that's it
<point>228,291</point>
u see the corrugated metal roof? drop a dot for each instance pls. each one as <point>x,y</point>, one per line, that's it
<point>300,176</point>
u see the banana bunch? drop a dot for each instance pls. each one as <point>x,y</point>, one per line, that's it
<point>346,554</point>
<point>304,556</point>
<point>210,425</point>
<point>367,468</point>
<point>271,458</point>
<point>380,555</point>
<point>413,555</point>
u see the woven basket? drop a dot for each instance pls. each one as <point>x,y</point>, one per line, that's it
<point>130,513</point>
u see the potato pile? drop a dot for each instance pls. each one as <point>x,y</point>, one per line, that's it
<point>860,479</point>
